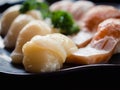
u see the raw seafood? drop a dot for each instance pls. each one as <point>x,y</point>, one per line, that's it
<point>102,46</point>
<point>15,28</point>
<point>47,53</point>
<point>10,15</point>
<point>79,8</point>
<point>35,27</point>
<point>90,21</point>
<point>61,5</point>
<point>7,18</point>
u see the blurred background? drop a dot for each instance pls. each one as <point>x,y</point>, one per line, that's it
<point>51,1</point>
<point>12,1</point>
<point>6,3</point>
<point>9,1</point>
<point>115,1</point>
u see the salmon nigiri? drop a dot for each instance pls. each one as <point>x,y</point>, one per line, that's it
<point>90,22</point>
<point>102,46</point>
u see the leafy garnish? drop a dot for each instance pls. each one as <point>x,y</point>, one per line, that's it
<point>44,9</point>
<point>60,19</point>
<point>28,5</point>
<point>64,21</point>
<point>34,4</point>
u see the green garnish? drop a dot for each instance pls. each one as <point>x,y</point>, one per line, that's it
<point>34,4</point>
<point>64,21</point>
<point>60,19</point>
<point>44,9</point>
<point>28,5</point>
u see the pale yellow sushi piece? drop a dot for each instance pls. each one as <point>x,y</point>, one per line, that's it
<point>15,28</point>
<point>35,14</point>
<point>10,15</point>
<point>64,41</point>
<point>7,18</point>
<point>33,28</point>
<point>47,53</point>
<point>43,54</point>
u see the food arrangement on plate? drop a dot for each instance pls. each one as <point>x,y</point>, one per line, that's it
<point>43,37</point>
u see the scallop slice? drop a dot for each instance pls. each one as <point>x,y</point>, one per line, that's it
<point>35,14</point>
<point>43,54</point>
<point>102,46</point>
<point>33,28</point>
<point>10,15</point>
<point>50,52</point>
<point>17,25</point>
<point>66,42</point>
<point>7,18</point>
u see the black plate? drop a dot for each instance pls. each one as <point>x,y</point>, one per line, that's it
<point>70,72</point>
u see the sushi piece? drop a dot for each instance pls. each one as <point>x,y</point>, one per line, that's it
<point>36,27</point>
<point>102,46</point>
<point>16,27</point>
<point>47,53</point>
